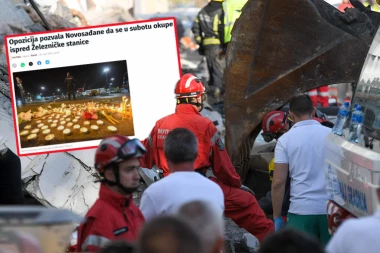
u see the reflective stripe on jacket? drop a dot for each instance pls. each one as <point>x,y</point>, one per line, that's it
<point>112,217</point>
<point>232,10</point>
<point>211,151</point>
<point>208,26</point>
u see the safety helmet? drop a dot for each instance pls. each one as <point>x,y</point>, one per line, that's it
<point>275,124</point>
<point>117,148</point>
<point>189,86</point>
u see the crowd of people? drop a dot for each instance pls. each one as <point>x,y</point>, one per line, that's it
<point>184,211</point>
<point>195,167</point>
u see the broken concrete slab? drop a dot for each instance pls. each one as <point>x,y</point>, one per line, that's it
<point>18,15</point>
<point>62,181</point>
<point>239,240</point>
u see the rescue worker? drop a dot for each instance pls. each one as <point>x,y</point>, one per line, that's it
<point>114,216</point>
<point>21,89</point>
<point>274,125</point>
<point>320,96</point>
<point>232,11</point>
<point>212,160</point>
<point>372,4</point>
<point>70,84</point>
<point>208,33</point>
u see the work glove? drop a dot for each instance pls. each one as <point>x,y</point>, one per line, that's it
<point>245,188</point>
<point>278,223</point>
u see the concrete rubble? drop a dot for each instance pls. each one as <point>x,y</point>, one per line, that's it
<point>66,180</point>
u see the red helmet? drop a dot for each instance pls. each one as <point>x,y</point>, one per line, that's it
<point>189,86</point>
<point>274,125</point>
<point>117,148</point>
<point>275,121</point>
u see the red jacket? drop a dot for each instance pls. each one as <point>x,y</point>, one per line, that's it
<point>343,6</point>
<point>112,217</point>
<point>211,151</point>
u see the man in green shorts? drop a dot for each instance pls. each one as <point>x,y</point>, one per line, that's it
<point>301,152</point>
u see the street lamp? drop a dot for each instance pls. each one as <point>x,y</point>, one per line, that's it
<point>58,90</point>
<point>112,79</point>
<point>106,71</point>
<point>42,87</point>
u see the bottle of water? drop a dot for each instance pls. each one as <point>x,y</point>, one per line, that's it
<point>353,110</point>
<point>341,119</point>
<point>356,125</point>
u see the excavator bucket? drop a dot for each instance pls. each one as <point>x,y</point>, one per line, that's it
<point>280,48</point>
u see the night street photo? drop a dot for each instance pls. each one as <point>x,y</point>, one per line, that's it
<point>73,104</point>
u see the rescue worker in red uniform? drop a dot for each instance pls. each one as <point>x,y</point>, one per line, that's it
<point>274,125</point>
<point>319,95</point>
<point>114,216</point>
<point>212,161</point>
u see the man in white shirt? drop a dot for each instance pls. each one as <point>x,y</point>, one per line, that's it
<point>301,152</point>
<point>183,185</point>
<point>357,235</point>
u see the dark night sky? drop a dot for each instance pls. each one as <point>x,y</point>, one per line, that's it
<point>91,74</point>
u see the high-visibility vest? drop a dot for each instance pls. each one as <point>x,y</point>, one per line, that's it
<point>232,10</point>
<point>271,169</point>
<point>374,7</point>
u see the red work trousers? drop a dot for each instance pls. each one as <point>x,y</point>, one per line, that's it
<point>320,95</point>
<point>243,208</point>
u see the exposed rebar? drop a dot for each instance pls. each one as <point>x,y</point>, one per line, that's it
<point>35,7</point>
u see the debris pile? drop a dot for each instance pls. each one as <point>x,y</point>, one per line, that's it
<point>95,12</point>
